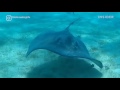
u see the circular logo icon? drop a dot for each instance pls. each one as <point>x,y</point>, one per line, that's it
<point>8,18</point>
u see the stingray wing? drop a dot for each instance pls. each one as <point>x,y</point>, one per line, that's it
<point>41,42</point>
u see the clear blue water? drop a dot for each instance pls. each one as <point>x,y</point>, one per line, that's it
<point>98,30</point>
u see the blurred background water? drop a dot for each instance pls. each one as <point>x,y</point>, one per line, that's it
<point>98,31</point>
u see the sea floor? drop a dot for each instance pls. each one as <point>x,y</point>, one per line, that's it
<point>101,37</point>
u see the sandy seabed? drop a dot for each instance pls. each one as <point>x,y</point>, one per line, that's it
<point>102,42</point>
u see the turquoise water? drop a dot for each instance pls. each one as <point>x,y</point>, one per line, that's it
<point>98,30</point>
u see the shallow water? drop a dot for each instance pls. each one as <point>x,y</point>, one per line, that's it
<point>99,33</point>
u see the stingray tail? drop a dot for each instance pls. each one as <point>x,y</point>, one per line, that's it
<point>97,62</point>
<point>72,23</point>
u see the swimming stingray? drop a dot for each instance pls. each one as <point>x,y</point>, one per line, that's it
<point>62,43</point>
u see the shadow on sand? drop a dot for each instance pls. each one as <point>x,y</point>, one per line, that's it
<point>65,68</point>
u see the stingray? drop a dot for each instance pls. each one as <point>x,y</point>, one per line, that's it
<point>62,43</point>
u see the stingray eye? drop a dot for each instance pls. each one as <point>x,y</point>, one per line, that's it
<point>76,46</point>
<point>69,40</point>
<point>58,40</point>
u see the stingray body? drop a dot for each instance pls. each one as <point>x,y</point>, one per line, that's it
<point>62,43</point>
